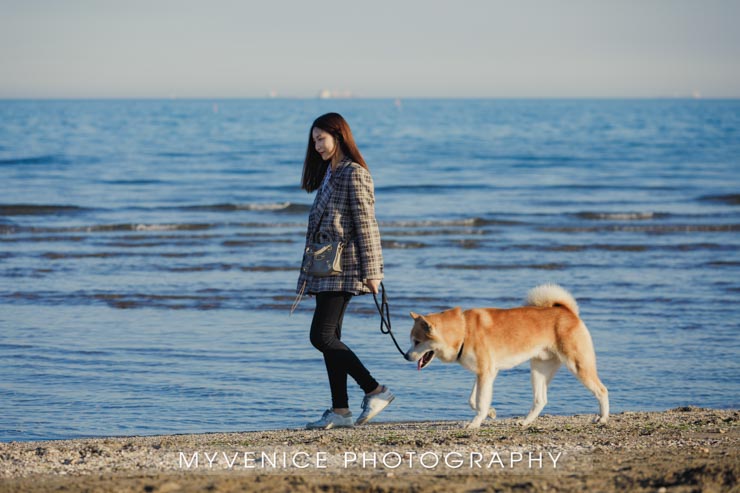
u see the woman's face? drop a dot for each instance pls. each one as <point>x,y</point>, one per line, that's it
<point>324,143</point>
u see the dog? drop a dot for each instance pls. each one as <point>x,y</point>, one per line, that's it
<point>547,331</point>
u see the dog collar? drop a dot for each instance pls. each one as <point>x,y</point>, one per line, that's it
<point>459,353</point>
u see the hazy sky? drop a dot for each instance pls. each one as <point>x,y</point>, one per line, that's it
<point>374,48</point>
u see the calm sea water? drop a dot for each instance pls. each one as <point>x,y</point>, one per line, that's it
<point>149,254</point>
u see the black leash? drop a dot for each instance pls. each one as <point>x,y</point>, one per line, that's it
<point>385,316</point>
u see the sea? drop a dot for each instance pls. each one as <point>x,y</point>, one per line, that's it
<point>149,253</point>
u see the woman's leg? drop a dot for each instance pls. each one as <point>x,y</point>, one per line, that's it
<point>326,332</point>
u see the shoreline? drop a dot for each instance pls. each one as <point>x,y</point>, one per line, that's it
<point>683,449</point>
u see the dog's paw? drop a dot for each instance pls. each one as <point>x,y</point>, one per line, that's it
<point>492,413</point>
<point>523,423</point>
<point>600,420</point>
<point>472,425</point>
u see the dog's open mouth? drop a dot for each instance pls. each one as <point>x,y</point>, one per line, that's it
<point>425,359</point>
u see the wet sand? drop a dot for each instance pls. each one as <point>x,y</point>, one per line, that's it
<point>681,450</point>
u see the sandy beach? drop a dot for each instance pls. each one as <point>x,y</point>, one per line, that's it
<point>684,449</point>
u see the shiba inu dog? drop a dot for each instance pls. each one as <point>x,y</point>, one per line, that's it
<point>547,331</point>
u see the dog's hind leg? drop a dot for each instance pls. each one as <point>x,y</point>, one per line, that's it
<point>483,395</point>
<point>474,398</point>
<point>582,363</point>
<point>590,379</point>
<point>542,371</point>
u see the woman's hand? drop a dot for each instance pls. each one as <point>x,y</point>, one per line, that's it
<point>373,285</point>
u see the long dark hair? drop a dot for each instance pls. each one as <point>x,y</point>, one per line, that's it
<point>314,167</point>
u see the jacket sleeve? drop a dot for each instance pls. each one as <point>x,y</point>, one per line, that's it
<point>367,235</point>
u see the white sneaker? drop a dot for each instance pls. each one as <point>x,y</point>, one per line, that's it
<point>373,404</point>
<point>329,420</point>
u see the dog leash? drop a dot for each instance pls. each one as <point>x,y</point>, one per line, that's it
<point>385,316</point>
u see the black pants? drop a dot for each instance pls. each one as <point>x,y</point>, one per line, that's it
<point>326,332</point>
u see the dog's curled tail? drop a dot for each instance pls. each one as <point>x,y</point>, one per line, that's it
<point>549,295</point>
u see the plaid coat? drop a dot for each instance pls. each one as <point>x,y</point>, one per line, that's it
<point>347,203</point>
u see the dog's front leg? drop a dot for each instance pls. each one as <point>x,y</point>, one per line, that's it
<point>484,393</point>
<point>473,401</point>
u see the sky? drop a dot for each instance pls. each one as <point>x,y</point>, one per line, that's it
<point>371,48</point>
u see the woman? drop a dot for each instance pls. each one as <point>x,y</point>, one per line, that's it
<point>344,210</point>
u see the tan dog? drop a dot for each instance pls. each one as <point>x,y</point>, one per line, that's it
<point>547,332</point>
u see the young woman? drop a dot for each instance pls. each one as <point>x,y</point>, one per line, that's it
<point>344,210</point>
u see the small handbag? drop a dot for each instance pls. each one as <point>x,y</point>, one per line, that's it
<point>323,258</point>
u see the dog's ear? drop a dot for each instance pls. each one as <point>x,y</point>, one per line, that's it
<point>424,322</point>
<point>425,325</point>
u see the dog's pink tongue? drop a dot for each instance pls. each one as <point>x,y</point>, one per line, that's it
<point>418,364</point>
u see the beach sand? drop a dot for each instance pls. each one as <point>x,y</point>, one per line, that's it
<point>681,450</point>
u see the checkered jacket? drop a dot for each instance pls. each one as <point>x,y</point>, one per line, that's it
<point>347,203</point>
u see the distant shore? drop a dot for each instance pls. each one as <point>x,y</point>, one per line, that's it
<point>684,449</point>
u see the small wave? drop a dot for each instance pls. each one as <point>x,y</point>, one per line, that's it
<point>621,216</point>
<point>730,199</point>
<point>60,256</point>
<point>41,239</point>
<point>46,159</point>
<point>216,155</point>
<point>131,182</point>
<point>210,301</point>
<point>690,247</point>
<point>269,268</point>
<point>27,272</point>
<point>38,209</point>
<point>432,223</point>
<point>550,266</point>
<point>118,227</point>
<point>608,248</point>
<point>92,255</point>
<point>172,302</point>
<point>177,154</point>
<point>246,243</point>
<point>615,247</point>
<point>435,232</point>
<point>102,228</point>
<point>723,263</point>
<point>430,188</point>
<point>656,229</point>
<point>142,244</point>
<point>594,186</point>
<point>7,228</point>
<point>143,227</point>
<point>392,244</point>
<point>201,268</point>
<point>171,236</point>
<point>216,266</point>
<point>228,207</point>
<point>467,244</point>
<point>167,227</point>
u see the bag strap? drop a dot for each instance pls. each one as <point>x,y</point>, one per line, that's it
<point>325,183</point>
<point>321,218</point>
<point>298,298</point>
